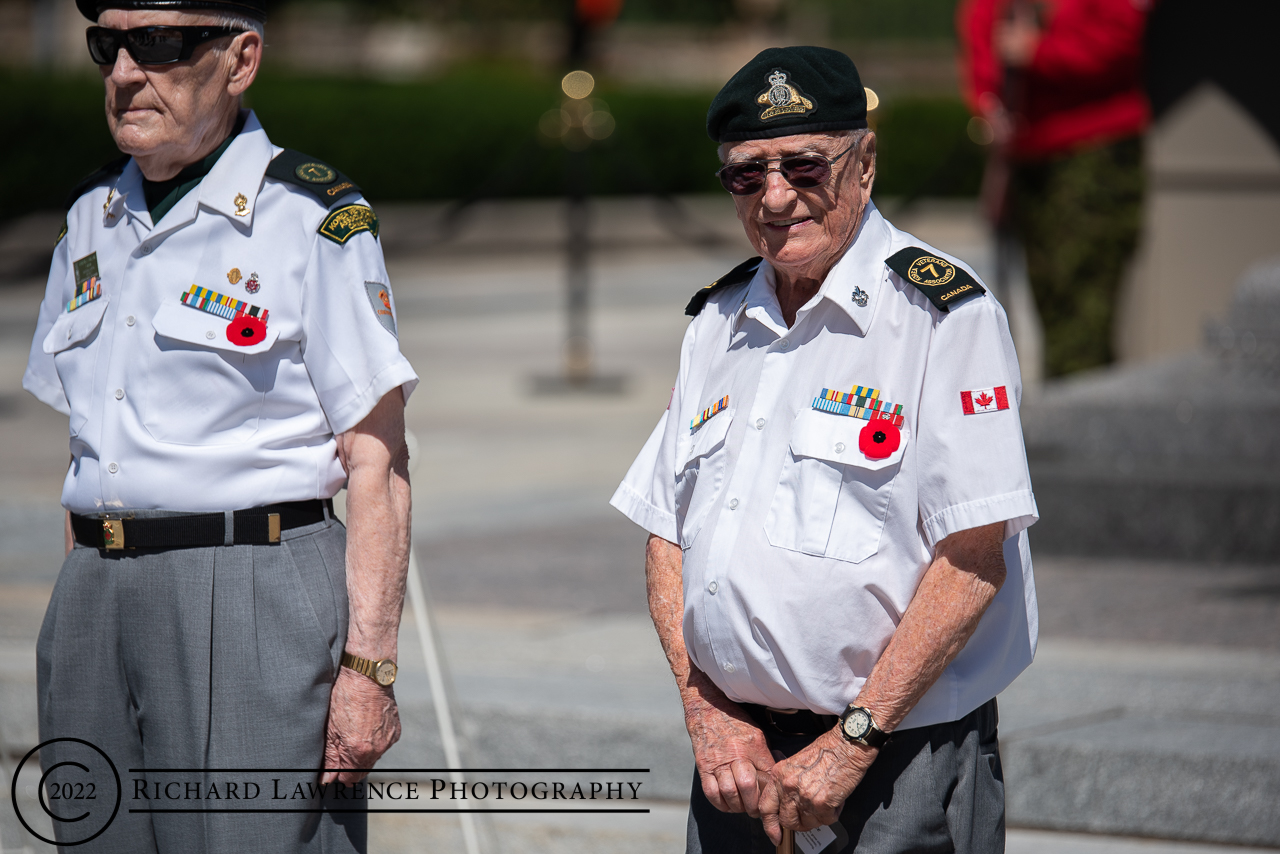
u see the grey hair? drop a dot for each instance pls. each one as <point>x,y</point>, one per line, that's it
<point>240,22</point>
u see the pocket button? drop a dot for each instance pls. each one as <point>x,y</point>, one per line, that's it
<point>211,335</point>
<point>839,447</point>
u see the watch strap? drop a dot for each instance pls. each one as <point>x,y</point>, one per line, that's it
<point>364,666</point>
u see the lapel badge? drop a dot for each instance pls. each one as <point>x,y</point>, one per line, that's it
<point>242,204</point>
<point>233,275</point>
<point>107,213</point>
<point>252,284</point>
<point>860,297</point>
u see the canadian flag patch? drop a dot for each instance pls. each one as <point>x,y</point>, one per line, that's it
<point>981,400</point>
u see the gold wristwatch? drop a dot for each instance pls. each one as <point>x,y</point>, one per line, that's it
<point>383,671</point>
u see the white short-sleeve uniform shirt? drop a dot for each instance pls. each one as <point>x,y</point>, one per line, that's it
<point>166,410</point>
<point>801,553</point>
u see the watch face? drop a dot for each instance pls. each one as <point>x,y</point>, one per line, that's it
<point>858,724</point>
<point>386,672</point>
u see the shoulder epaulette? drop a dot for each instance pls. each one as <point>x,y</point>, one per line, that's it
<point>115,167</point>
<point>942,282</point>
<point>315,176</point>
<point>739,274</point>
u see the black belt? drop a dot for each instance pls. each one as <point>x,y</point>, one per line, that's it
<point>257,526</point>
<point>801,722</point>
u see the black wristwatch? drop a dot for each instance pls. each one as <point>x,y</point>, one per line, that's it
<point>858,727</point>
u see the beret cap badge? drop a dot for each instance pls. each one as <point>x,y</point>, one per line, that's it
<point>807,89</point>
<point>782,98</point>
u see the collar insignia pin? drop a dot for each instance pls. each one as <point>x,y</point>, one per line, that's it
<point>242,204</point>
<point>860,297</point>
<point>252,284</point>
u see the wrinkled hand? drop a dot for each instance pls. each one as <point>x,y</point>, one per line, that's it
<point>809,789</point>
<point>732,757</point>
<point>363,724</point>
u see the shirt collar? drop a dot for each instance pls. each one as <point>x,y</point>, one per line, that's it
<point>127,196</point>
<point>760,303</point>
<point>232,185</point>
<point>853,283</point>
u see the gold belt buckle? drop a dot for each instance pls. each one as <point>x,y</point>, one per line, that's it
<point>112,534</point>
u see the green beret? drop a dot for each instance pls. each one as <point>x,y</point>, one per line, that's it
<point>786,91</point>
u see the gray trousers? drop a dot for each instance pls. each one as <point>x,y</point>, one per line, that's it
<point>176,663</point>
<point>932,790</point>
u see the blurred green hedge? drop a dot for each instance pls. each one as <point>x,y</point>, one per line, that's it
<point>472,130</point>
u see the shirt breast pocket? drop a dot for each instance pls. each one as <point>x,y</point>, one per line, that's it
<point>831,499</point>
<point>202,389</point>
<point>68,342</point>
<point>701,475</point>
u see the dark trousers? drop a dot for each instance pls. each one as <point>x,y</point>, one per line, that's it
<point>931,790</point>
<point>174,665</point>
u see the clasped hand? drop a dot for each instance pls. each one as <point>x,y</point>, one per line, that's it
<point>801,792</point>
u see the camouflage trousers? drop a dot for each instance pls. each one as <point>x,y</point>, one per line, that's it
<point>1078,218</point>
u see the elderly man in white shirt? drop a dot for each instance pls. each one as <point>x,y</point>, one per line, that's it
<point>837,500</point>
<point>219,328</point>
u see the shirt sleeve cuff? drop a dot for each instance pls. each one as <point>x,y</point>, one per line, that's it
<point>644,513</point>
<point>399,374</point>
<point>50,395</point>
<point>1016,509</point>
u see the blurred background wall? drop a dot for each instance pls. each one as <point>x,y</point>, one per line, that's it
<point>386,88</point>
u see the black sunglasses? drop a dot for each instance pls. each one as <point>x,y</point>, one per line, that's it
<point>152,45</point>
<point>802,171</point>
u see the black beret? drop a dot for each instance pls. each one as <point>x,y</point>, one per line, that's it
<point>256,9</point>
<point>786,91</point>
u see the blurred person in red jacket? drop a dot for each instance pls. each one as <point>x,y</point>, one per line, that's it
<point>1057,86</point>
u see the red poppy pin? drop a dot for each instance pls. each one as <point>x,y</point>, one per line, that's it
<point>245,331</point>
<point>879,439</point>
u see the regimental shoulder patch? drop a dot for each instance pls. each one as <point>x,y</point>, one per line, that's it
<point>347,220</point>
<point>380,299</point>
<point>739,274</point>
<point>115,167</point>
<point>942,282</point>
<point>319,179</point>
